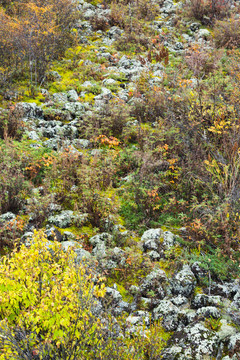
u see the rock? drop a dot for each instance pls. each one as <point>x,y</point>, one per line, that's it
<point>68,236</point>
<point>54,76</point>
<point>27,238</point>
<point>151,239</point>
<point>209,312</point>
<point>226,330</point>
<point>100,238</point>
<point>196,342</point>
<point>204,34</point>
<point>184,282</point>
<point>9,216</point>
<point>169,313</point>
<point>202,300</point>
<point>72,96</point>
<point>60,97</point>
<point>155,284</point>
<point>29,110</point>
<point>53,234</point>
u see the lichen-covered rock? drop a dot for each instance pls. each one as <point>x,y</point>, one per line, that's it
<point>209,312</point>
<point>169,313</point>
<point>9,216</point>
<point>68,235</point>
<point>199,271</point>
<point>72,96</point>
<point>184,282</point>
<point>26,238</point>
<point>100,250</point>
<point>29,110</point>
<point>154,284</point>
<point>67,218</point>
<point>103,237</point>
<point>194,341</point>
<point>53,234</point>
<point>151,239</point>
<point>202,300</point>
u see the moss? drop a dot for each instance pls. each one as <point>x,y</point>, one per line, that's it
<point>80,232</point>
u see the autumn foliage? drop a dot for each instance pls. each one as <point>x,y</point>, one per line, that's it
<point>32,34</point>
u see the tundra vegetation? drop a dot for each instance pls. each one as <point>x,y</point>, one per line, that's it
<point>116,117</point>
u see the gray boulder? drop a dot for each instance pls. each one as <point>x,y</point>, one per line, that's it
<point>169,313</point>
<point>184,282</point>
<point>72,95</point>
<point>9,216</point>
<point>29,110</point>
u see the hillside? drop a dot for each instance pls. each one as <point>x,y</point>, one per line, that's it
<point>119,180</point>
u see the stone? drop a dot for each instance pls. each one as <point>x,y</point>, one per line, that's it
<point>151,239</point>
<point>202,300</point>
<point>209,312</point>
<point>103,237</point>
<point>68,236</point>
<point>226,330</point>
<point>29,110</point>
<point>169,313</point>
<point>184,282</point>
<point>72,96</point>
<point>27,238</point>
<point>204,34</point>
<point>53,234</point>
<point>6,217</point>
<point>62,220</point>
<point>60,97</point>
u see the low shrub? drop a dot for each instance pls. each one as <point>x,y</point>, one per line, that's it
<point>227,33</point>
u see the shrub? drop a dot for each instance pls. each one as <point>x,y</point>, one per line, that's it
<point>13,185</point>
<point>207,11</point>
<point>10,123</point>
<point>227,33</point>
<point>32,34</point>
<point>48,311</point>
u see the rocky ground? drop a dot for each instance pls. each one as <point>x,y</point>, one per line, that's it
<point>204,320</point>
